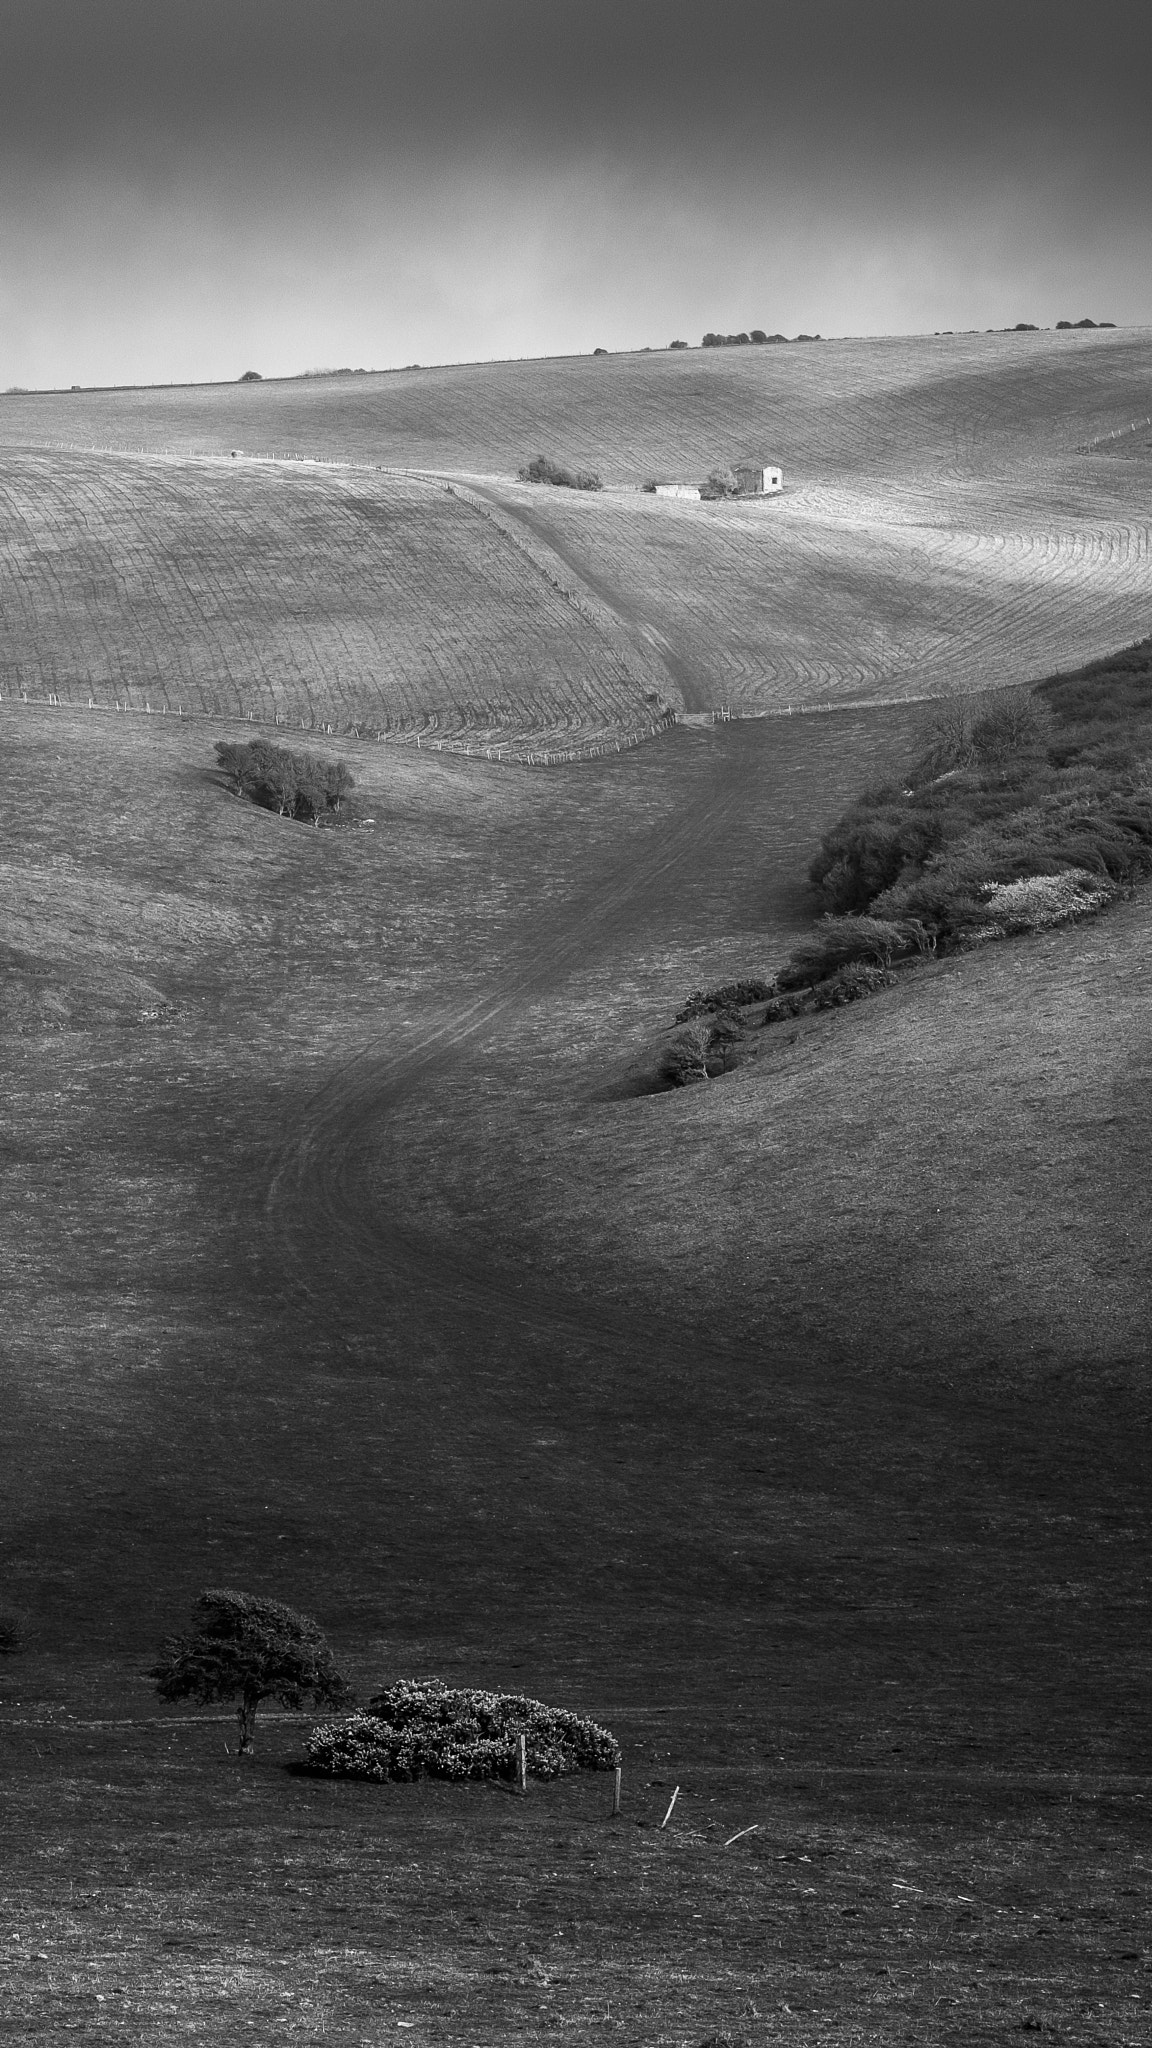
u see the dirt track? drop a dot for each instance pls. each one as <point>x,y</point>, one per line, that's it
<point>330,1201</point>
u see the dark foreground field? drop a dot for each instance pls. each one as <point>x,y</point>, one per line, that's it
<point>795,1426</point>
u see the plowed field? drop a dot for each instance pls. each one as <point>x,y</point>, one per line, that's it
<point>250,590</point>
<point>938,531</point>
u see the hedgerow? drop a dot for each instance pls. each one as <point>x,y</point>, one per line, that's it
<point>423,1728</point>
<point>1024,810</point>
<point>731,995</point>
<point>838,941</point>
<point>858,978</point>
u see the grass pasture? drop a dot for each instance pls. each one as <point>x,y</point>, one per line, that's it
<point>796,1427</point>
<point>939,530</point>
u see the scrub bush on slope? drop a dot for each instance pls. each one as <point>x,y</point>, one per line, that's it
<point>1025,810</point>
<point>423,1728</point>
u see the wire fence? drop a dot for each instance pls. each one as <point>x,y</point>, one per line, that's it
<point>426,735</point>
<point>1117,434</point>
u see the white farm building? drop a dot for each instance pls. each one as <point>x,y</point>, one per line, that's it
<point>758,480</point>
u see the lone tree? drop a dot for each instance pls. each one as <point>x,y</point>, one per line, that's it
<point>246,1649</point>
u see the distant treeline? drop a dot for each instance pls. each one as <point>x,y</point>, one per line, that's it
<point>739,340</point>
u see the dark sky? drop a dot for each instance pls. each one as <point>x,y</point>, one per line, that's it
<point>192,187</point>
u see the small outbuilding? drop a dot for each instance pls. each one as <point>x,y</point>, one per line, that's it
<point>758,480</point>
<point>677,490</point>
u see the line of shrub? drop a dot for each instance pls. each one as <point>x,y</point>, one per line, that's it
<point>1024,809</point>
<point>731,995</point>
<point>1051,785</point>
<point>423,1728</point>
<point>303,786</point>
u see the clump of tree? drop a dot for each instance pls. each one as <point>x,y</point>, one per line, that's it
<point>422,1728</point>
<point>249,1650</point>
<point>542,470</point>
<point>251,377</point>
<point>304,786</point>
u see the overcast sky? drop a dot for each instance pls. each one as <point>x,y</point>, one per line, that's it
<point>189,188</point>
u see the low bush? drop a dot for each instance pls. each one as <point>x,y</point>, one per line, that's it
<point>779,1008</point>
<point>703,1049</point>
<point>720,483</point>
<point>849,983</point>
<point>841,941</point>
<point>544,471</point>
<point>732,995</point>
<point>304,786</point>
<point>423,1728</point>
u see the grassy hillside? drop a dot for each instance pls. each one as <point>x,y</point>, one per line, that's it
<point>360,599</point>
<point>938,530</point>
<point>795,1426</point>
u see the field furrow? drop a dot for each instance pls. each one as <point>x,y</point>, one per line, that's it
<point>252,591</point>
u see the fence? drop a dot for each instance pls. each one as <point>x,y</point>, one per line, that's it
<point>1117,434</point>
<point>425,736</point>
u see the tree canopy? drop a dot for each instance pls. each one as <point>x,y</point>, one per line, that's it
<point>304,786</point>
<point>248,1649</point>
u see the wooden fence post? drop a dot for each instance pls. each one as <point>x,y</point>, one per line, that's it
<point>522,1763</point>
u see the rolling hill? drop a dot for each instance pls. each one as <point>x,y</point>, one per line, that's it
<point>938,531</point>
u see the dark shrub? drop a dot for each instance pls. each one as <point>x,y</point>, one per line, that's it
<point>720,483</point>
<point>423,1728</point>
<point>543,471</point>
<point>1008,724</point>
<point>251,377</point>
<point>870,846</point>
<point>849,983</point>
<point>779,1008</point>
<point>703,1048</point>
<point>836,941</point>
<point>731,996</point>
<point>758,334</point>
<point>304,786</point>
<point>677,344</point>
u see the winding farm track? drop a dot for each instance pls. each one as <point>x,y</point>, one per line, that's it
<point>340,1222</point>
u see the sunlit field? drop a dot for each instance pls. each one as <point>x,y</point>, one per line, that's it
<point>940,529</point>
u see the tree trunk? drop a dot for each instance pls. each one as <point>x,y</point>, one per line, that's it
<point>246,1716</point>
